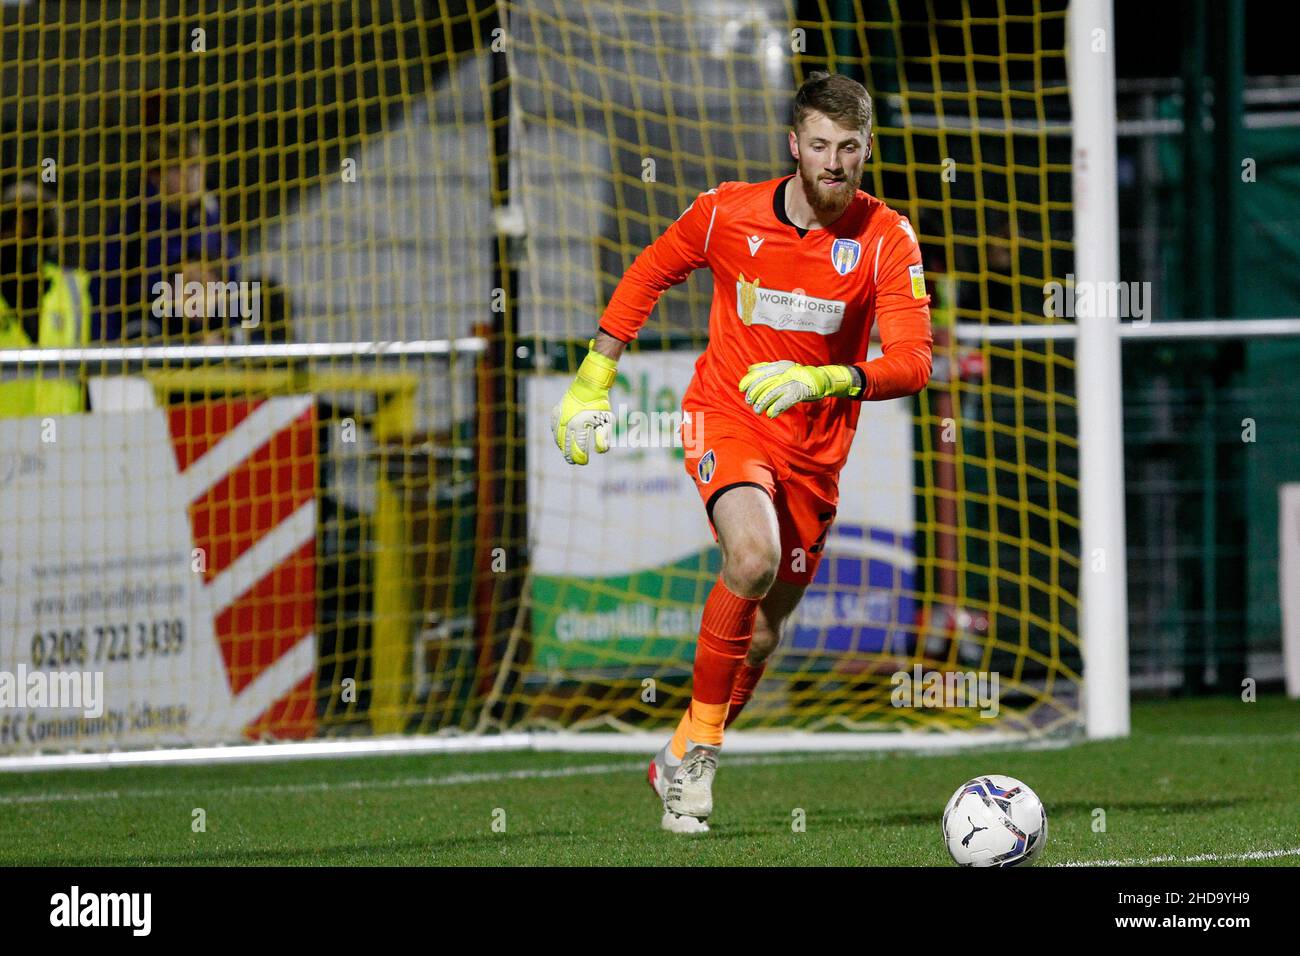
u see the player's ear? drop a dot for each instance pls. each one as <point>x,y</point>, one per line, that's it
<point>871,141</point>
<point>794,145</point>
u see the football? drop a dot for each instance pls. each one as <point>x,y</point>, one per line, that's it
<point>994,820</point>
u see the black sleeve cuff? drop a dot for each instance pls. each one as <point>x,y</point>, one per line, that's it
<point>860,378</point>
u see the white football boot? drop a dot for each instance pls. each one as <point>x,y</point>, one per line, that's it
<point>661,774</point>
<point>689,797</point>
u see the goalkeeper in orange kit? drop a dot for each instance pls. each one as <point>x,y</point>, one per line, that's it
<point>803,267</point>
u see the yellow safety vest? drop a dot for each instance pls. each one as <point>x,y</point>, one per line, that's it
<point>54,389</point>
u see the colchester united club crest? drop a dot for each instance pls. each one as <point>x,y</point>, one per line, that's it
<point>845,254</point>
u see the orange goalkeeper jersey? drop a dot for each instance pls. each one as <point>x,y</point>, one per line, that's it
<point>781,292</point>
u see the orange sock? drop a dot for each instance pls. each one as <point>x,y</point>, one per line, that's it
<point>697,719</point>
<point>747,679</point>
<point>725,632</point>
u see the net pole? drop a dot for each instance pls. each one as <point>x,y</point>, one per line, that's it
<point>1103,591</point>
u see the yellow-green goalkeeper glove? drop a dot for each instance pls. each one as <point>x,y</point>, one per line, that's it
<point>582,419</point>
<point>775,386</point>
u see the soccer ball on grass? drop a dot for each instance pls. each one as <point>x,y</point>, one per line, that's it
<point>994,820</point>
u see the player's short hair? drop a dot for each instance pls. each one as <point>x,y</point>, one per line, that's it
<point>843,99</point>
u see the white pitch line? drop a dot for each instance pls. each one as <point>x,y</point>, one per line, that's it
<point>1198,858</point>
<point>448,780</point>
<point>1232,740</point>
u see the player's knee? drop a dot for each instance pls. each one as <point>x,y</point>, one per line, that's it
<point>750,571</point>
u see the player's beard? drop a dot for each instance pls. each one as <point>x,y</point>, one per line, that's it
<point>829,199</point>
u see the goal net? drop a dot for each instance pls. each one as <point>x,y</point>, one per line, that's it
<point>305,487</point>
<point>954,553</point>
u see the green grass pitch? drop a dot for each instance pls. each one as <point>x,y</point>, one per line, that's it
<point>1209,781</point>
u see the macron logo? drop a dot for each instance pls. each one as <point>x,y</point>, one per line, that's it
<point>754,243</point>
<point>103,909</point>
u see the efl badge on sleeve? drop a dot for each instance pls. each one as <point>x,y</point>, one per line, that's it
<point>845,254</point>
<point>705,468</point>
<point>918,281</point>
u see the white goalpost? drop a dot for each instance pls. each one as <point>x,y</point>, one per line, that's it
<point>1103,581</point>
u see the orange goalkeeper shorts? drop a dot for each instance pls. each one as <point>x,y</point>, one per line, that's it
<point>721,454</point>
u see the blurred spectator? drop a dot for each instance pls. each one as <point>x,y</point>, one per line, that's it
<point>207,311</point>
<point>42,304</point>
<point>175,221</point>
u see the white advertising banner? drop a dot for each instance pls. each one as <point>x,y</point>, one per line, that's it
<point>618,547</point>
<point>123,575</point>
<point>632,509</point>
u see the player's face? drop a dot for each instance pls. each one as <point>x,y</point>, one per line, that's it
<point>831,159</point>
